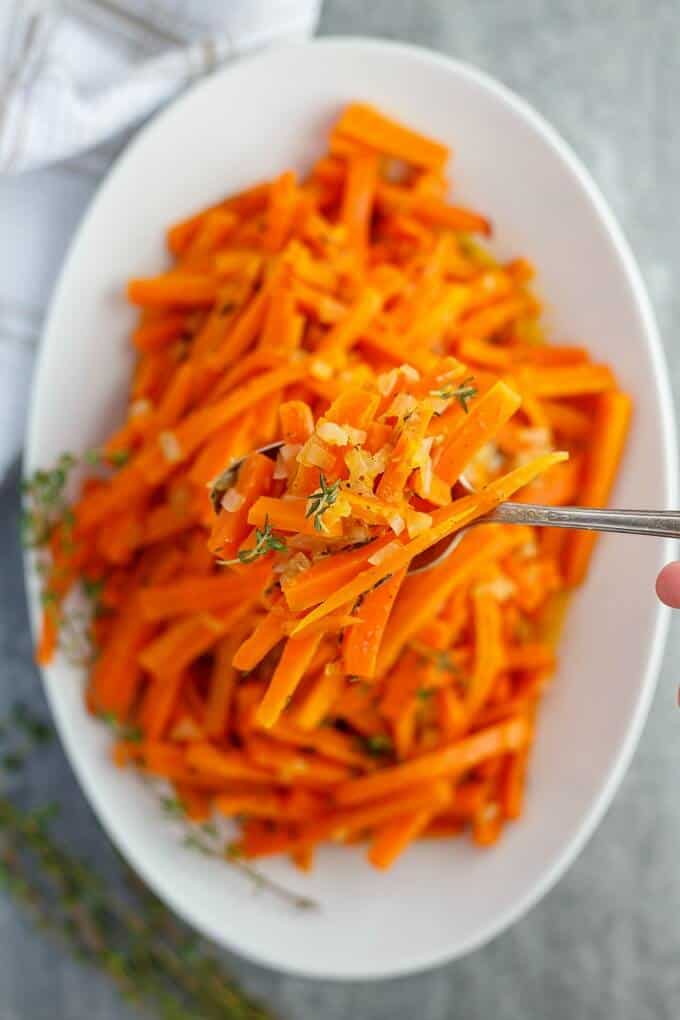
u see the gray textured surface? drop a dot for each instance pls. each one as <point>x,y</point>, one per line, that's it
<point>605,942</point>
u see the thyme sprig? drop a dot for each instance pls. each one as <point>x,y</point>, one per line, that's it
<point>265,542</point>
<point>321,500</point>
<point>462,393</point>
<point>152,958</point>
<point>378,745</point>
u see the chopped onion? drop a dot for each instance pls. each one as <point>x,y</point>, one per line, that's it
<point>331,433</point>
<point>356,437</point>
<point>383,554</point>
<point>140,407</point>
<point>358,533</point>
<point>320,369</point>
<point>501,588</point>
<point>315,454</point>
<point>295,565</point>
<point>170,447</point>
<point>402,405</point>
<point>387,381</point>
<point>232,500</point>
<point>280,469</point>
<point>396,522</point>
<point>417,522</point>
<point>410,373</point>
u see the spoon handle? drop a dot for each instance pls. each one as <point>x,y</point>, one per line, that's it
<point>662,523</point>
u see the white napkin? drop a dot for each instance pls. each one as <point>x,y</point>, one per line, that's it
<point>74,74</point>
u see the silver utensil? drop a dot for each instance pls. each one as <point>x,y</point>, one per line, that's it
<point>657,523</point>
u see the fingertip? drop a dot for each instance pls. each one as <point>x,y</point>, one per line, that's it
<point>668,585</point>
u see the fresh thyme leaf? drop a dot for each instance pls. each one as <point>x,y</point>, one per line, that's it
<point>321,500</point>
<point>12,761</point>
<point>92,587</point>
<point>378,745</point>
<point>462,393</point>
<point>45,502</point>
<point>119,458</point>
<point>33,727</point>
<point>173,806</point>
<point>121,730</point>
<point>265,542</point>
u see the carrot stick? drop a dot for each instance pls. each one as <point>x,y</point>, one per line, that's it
<point>180,644</point>
<point>610,430</point>
<point>392,838</point>
<point>357,200</point>
<point>489,653</point>
<point>486,416</point>
<point>449,520</point>
<point>363,123</point>
<point>448,762</point>
<point>362,643</point>
<point>297,654</point>
<point>175,290</point>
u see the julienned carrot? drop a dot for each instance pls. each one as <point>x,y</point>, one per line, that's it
<point>358,197</point>
<point>173,290</point>
<point>462,512</point>
<point>231,526</point>
<point>158,333</point>
<point>425,594</point>
<point>296,656</point>
<point>188,596</point>
<point>566,380</point>
<point>116,676</point>
<point>447,763</point>
<point>308,685</point>
<point>345,333</point>
<point>392,838</point>
<point>286,515</point>
<point>365,124</point>
<point>486,416</point>
<point>343,824</point>
<point>181,644</point>
<point>158,461</point>
<point>223,679</point>
<point>319,698</point>
<point>362,643</point>
<point>610,429</point>
<point>489,652</point>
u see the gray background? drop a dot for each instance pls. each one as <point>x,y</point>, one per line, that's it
<point>606,942</point>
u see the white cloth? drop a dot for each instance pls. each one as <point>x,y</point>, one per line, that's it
<point>75,74</point>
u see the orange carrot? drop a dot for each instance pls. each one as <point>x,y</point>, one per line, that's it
<point>365,124</point>
<point>297,654</point>
<point>174,290</point>
<point>447,763</point>
<point>610,429</point>
<point>362,643</point>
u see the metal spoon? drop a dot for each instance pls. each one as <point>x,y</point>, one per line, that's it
<point>658,523</point>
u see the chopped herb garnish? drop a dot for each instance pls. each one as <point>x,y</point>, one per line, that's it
<point>119,458</point>
<point>265,542</point>
<point>92,587</point>
<point>424,693</point>
<point>45,502</point>
<point>12,762</point>
<point>462,393</point>
<point>321,500</point>
<point>378,745</point>
<point>173,806</point>
<point>121,730</point>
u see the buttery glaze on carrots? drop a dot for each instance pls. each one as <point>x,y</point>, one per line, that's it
<point>280,663</point>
